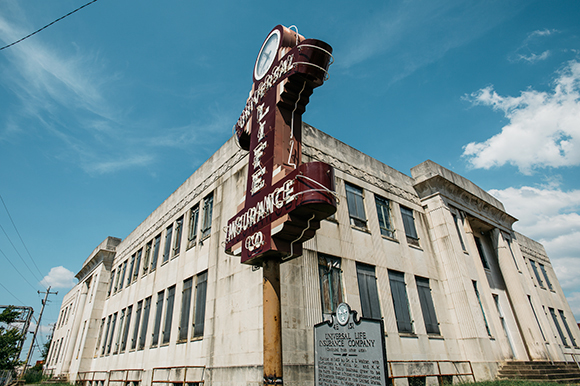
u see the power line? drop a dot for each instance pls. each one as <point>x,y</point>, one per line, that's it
<point>14,225</point>
<point>14,296</point>
<point>18,253</point>
<point>48,25</point>
<point>6,257</point>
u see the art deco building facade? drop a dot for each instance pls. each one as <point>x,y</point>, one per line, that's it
<point>433,255</point>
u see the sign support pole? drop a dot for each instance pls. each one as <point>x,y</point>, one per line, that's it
<point>272,323</point>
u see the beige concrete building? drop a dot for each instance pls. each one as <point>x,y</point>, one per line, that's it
<point>433,255</point>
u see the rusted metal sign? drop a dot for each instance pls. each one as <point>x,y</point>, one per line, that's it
<point>285,199</point>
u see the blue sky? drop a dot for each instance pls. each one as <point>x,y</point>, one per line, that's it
<point>104,114</point>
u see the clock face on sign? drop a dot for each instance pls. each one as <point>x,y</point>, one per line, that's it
<point>267,55</point>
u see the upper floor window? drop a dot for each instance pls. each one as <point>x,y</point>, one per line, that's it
<point>137,265</point>
<point>207,215</point>
<point>356,209</point>
<point>481,307</point>
<point>193,220</point>
<point>147,256</point>
<point>177,238</point>
<point>155,256</point>
<point>409,224</point>
<point>200,299</point>
<point>548,282</point>
<point>538,277</point>
<point>167,250</point>
<point>383,212</point>
<point>481,252</point>
<point>458,228</point>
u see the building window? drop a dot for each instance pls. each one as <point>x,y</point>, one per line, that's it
<point>538,277</point>
<point>536,316</point>
<point>458,229</point>
<point>99,339</point>
<point>400,301</point>
<point>156,246</point>
<point>168,315</point>
<point>121,278</point>
<point>193,219</point>
<point>384,214</point>
<point>356,208</point>
<point>409,224</point>
<point>147,256</point>
<point>104,348</point>
<point>548,282</point>
<point>509,243</point>
<point>118,341</point>
<point>207,214</point>
<point>136,328</point>
<point>185,309</point>
<point>158,315</point>
<point>126,328</point>
<point>110,343</point>
<point>110,285</point>
<point>367,287</point>
<point>177,238</point>
<point>481,307</point>
<point>200,298</point>
<point>131,266</point>
<point>167,250</point>
<point>560,332</point>
<point>137,265</point>
<point>145,323</point>
<point>563,317</point>
<point>427,307</point>
<point>481,253</point>
<point>330,275</point>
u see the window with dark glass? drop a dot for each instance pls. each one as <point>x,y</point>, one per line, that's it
<point>330,275</point>
<point>131,266</point>
<point>481,307</point>
<point>156,246</point>
<point>558,328</point>
<point>565,323</point>
<point>137,264</point>
<point>177,238</point>
<point>158,315</point>
<point>200,298</point>
<point>458,229</point>
<point>207,214</point>
<point>400,301</point>
<point>355,203</point>
<point>167,250</point>
<point>99,339</point>
<point>509,243</point>
<point>147,256</point>
<point>126,328</point>
<point>409,225</point>
<point>136,327</point>
<point>481,252</point>
<point>106,336</point>
<point>118,340</point>
<point>427,307</point>
<point>384,214</point>
<point>110,343</point>
<point>192,233</point>
<point>185,309</point>
<point>145,323</point>
<point>168,315</point>
<point>119,284</point>
<point>367,287</point>
<point>548,282</point>
<point>110,284</point>
<point>538,277</point>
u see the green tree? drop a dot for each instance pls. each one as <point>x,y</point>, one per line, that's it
<point>9,339</point>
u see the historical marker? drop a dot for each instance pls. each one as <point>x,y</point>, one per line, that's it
<point>349,352</point>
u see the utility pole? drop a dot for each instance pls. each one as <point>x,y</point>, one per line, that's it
<point>31,349</point>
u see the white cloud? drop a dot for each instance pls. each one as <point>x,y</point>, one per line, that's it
<point>543,129</point>
<point>532,58</point>
<point>574,302</point>
<point>59,277</point>
<point>525,51</point>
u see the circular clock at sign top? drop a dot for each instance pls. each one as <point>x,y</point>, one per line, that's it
<point>267,54</point>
